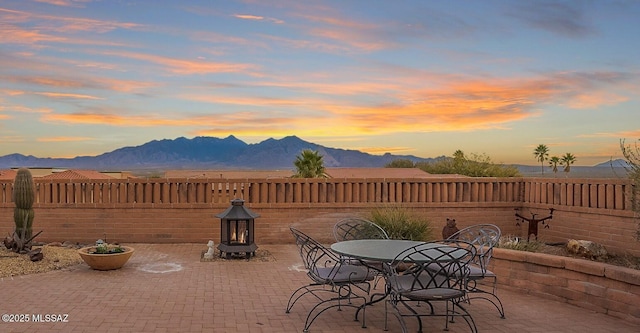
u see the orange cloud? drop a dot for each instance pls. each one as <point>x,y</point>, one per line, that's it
<point>405,103</point>
<point>621,134</point>
<point>81,83</point>
<point>62,23</point>
<point>11,139</point>
<point>383,150</point>
<point>64,139</point>
<point>593,100</point>
<point>251,100</point>
<point>630,134</point>
<point>231,120</point>
<point>25,109</point>
<point>329,24</point>
<point>462,106</point>
<point>63,95</point>
<point>186,67</point>
<point>14,35</point>
<point>12,92</point>
<point>110,119</point>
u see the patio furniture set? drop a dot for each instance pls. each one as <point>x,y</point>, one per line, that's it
<point>444,275</point>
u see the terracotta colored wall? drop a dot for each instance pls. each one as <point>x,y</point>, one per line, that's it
<point>181,210</point>
<point>591,285</point>
<point>177,223</point>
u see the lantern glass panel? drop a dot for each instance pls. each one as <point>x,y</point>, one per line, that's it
<point>239,232</point>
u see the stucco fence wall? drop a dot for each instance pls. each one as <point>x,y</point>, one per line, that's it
<point>182,210</point>
<point>591,285</point>
<point>196,223</point>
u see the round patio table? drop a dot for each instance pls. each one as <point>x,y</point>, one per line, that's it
<point>381,250</point>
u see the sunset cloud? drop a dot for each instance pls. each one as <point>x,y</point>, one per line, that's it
<point>102,83</point>
<point>565,18</point>
<point>384,150</point>
<point>457,104</point>
<point>11,138</point>
<point>113,120</point>
<point>65,3</point>
<point>185,66</point>
<point>64,95</point>
<point>258,18</point>
<point>150,120</point>
<point>594,100</point>
<point>392,77</point>
<point>621,135</point>
<point>64,139</point>
<point>63,23</point>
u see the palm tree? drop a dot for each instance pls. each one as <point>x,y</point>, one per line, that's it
<point>553,162</point>
<point>309,164</point>
<point>567,160</point>
<point>541,153</point>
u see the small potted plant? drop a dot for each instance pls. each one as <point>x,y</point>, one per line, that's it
<point>104,257</point>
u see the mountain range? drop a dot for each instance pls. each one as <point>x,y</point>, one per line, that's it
<point>208,153</point>
<point>270,154</point>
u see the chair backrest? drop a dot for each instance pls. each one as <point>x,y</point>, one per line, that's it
<point>434,265</point>
<point>314,255</point>
<point>485,237</point>
<point>357,228</point>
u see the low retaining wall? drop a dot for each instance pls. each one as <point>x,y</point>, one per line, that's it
<point>591,285</point>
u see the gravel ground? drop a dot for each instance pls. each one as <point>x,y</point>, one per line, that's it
<point>55,257</point>
<point>58,257</point>
<point>628,261</point>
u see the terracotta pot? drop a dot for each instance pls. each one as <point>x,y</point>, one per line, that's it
<point>105,262</point>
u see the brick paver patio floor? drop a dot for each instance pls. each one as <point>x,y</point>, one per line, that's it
<point>166,288</point>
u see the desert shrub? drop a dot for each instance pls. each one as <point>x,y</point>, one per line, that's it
<point>402,223</point>
<point>515,243</point>
<point>473,165</point>
<point>401,163</point>
<point>632,155</point>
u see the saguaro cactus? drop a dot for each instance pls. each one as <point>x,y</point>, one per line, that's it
<point>23,197</point>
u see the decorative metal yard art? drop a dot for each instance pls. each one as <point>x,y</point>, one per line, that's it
<point>533,222</point>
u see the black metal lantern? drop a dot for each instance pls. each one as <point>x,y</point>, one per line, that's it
<point>237,230</point>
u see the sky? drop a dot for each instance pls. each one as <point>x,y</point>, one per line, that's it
<point>423,78</point>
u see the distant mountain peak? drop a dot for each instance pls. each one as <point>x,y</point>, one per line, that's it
<point>207,152</point>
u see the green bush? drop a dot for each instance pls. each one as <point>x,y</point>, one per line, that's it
<point>473,166</point>
<point>402,223</point>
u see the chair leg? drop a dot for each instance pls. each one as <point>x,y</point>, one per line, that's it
<point>394,305</point>
<point>465,315</point>
<point>490,296</point>
<point>313,314</point>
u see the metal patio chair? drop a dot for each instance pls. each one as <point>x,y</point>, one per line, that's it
<point>430,273</point>
<point>334,282</point>
<point>357,228</point>
<point>485,237</point>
